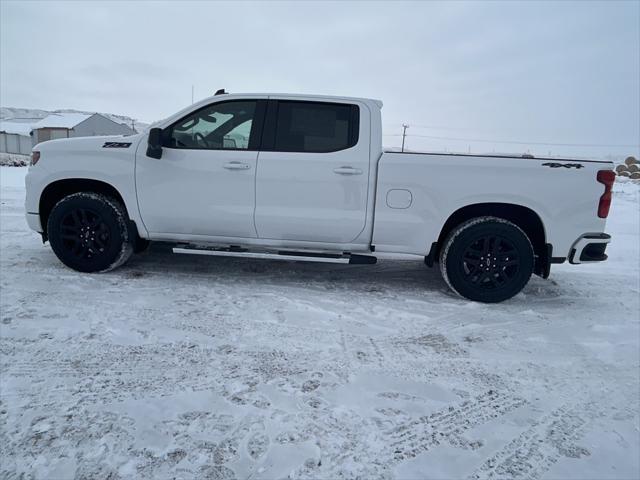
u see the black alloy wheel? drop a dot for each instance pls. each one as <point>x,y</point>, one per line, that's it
<point>490,262</point>
<point>487,259</point>
<point>89,232</point>
<point>84,233</point>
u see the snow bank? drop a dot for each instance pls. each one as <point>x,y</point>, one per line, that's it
<point>14,160</point>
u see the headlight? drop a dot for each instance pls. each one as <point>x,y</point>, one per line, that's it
<point>35,156</point>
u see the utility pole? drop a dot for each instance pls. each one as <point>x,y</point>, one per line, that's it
<point>404,134</point>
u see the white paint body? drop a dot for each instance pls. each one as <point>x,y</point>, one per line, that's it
<point>346,201</point>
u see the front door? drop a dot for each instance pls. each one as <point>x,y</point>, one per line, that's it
<point>313,172</point>
<point>204,184</point>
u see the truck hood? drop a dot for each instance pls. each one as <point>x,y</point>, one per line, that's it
<point>93,144</point>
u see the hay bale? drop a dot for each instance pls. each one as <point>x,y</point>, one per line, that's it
<point>635,176</point>
<point>625,173</point>
<point>633,168</point>
<point>630,161</point>
<point>622,168</point>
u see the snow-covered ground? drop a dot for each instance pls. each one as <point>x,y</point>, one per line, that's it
<point>180,367</point>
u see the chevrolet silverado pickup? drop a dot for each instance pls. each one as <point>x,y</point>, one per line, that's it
<point>304,177</point>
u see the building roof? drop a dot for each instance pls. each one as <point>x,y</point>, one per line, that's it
<point>19,128</point>
<point>61,120</point>
<point>65,120</point>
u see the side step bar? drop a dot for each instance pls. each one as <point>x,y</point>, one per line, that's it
<point>282,255</point>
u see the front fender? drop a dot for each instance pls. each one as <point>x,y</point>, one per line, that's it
<point>86,159</point>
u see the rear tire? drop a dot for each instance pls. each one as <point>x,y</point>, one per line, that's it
<point>487,259</point>
<point>88,232</point>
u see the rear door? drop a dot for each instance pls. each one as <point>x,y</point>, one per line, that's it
<point>204,184</point>
<point>313,170</point>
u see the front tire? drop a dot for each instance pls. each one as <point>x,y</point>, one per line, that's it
<point>487,259</point>
<point>88,232</point>
<point>140,245</point>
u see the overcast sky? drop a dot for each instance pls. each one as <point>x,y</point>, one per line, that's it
<point>558,72</point>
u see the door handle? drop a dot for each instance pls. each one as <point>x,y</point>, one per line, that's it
<point>236,166</point>
<point>345,170</point>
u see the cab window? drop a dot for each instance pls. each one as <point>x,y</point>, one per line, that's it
<point>220,126</point>
<point>315,126</point>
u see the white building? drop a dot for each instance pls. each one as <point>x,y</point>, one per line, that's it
<point>67,125</point>
<point>15,137</point>
<point>19,135</point>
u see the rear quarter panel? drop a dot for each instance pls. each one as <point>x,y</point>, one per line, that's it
<point>565,199</point>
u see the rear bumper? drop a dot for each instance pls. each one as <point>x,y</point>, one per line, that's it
<point>589,248</point>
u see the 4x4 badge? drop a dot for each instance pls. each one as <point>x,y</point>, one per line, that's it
<point>565,165</point>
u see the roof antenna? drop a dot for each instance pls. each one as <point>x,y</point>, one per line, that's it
<point>221,92</point>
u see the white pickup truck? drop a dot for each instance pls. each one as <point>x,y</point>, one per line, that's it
<point>305,177</point>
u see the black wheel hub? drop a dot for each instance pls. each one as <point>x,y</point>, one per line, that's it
<point>84,233</point>
<point>490,262</point>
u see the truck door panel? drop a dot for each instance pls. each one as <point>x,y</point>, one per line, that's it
<point>204,184</point>
<point>313,172</point>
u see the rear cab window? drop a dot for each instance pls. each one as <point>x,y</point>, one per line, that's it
<point>312,127</point>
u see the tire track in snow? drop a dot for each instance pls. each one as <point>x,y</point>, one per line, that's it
<point>449,425</point>
<point>117,372</point>
<point>535,450</point>
<point>353,451</point>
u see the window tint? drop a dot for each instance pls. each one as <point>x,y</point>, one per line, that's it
<point>221,126</point>
<point>315,126</point>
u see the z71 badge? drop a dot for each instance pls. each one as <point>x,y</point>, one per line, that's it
<point>116,145</point>
<point>565,165</point>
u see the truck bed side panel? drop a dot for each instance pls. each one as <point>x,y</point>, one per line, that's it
<point>565,198</point>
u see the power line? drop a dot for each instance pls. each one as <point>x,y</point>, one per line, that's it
<point>517,142</point>
<point>529,143</point>
<point>439,127</point>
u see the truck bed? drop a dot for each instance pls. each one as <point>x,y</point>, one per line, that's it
<point>439,184</point>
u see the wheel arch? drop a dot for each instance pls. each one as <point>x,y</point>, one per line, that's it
<point>524,217</point>
<point>57,190</point>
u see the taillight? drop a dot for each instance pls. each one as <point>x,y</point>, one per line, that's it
<point>606,177</point>
<point>35,156</point>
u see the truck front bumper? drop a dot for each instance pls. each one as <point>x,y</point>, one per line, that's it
<point>33,220</point>
<point>589,248</point>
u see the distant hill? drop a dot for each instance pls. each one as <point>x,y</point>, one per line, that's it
<point>20,114</point>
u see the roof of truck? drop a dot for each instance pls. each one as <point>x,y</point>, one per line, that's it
<point>206,101</point>
<point>301,95</point>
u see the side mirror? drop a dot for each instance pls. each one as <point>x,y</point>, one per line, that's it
<point>154,146</point>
